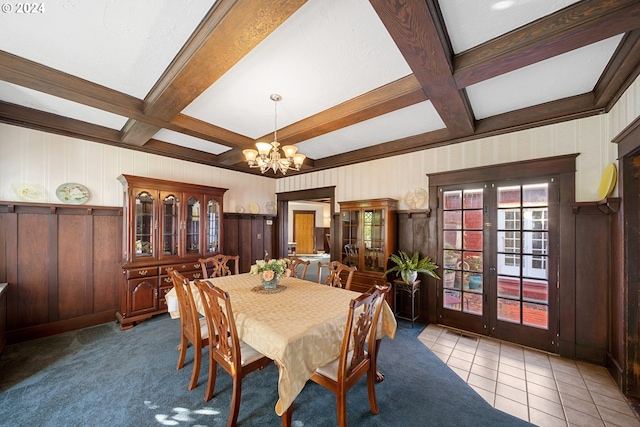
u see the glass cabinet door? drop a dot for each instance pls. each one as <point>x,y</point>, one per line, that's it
<point>170,224</point>
<point>145,224</point>
<point>374,240</point>
<point>192,226</point>
<point>350,223</point>
<point>212,227</point>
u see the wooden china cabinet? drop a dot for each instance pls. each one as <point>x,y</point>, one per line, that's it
<point>168,225</point>
<point>367,239</point>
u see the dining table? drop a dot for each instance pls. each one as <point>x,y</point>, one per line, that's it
<point>299,325</point>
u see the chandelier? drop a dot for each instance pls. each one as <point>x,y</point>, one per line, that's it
<point>268,155</point>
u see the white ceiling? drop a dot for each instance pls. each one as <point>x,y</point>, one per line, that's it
<point>327,53</point>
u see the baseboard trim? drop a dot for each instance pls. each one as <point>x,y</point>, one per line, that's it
<point>54,328</point>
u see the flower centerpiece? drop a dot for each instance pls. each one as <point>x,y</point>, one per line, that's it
<point>271,270</point>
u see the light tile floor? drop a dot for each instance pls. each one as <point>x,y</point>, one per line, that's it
<point>538,387</point>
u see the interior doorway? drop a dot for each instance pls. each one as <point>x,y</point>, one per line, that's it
<point>300,200</point>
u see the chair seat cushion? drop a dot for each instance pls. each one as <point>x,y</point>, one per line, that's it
<point>248,353</point>
<point>330,370</point>
<point>204,328</point>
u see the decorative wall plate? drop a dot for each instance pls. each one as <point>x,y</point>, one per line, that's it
<point>240,209</point>
<point>270,208</point>
<point>608,182</point>
<point>416,198</point>
<point>254,208</point>
<point>29,192</point>
<point>73,193</point>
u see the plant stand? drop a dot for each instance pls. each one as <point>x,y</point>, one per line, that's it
<point>400,288</point>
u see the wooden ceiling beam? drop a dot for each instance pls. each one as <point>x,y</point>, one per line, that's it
<point>385,99</point>
<point>231,29</point>
<point>621,71</point>
<point>575,26</point>
<point>40,120</point>
<point>417,29</point>
<point>203,130</point>
<point>29,74</point>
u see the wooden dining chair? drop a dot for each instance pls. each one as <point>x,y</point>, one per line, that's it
<point>218,265</point>
<point>336,268</point>
<point>357,354</point>
<point>384,290</point>
<point>297,262</point>
<point>193,327</point>
<point>233,355</point>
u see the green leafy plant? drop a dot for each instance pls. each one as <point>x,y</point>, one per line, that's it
<point>406,265</point>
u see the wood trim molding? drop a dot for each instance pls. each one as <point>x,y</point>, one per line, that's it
<point>552,165</point>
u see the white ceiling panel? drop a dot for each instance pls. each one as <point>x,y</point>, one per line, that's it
<point>473,22</point>
<point>189,141</point>
<point>572,73</point>
<point>328,52</point>
<point>408,121</point>
<point>121,44</point>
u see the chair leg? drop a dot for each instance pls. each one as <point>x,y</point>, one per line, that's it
<point>341,405</point>
<point>235,402</point>
<point>197,359</point>
<point>211,382</point>
<point>371,381</point>
<point>182,348</point>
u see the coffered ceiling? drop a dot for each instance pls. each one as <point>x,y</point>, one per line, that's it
<point>359,79</point>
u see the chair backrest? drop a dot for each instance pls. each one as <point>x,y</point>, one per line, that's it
<point>219,314</point>
<point>218,265</point>
<point>350,249</point>
<point>383,290</point>
<point>189,318</point>
<point>297,262</point>
<point>335,269</point>
<point>359,330</point>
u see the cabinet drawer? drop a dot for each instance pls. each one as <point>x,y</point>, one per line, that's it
<point>137,273</point>
<point>190,275</point>
<point>182,267</point>
<point>162,301</point>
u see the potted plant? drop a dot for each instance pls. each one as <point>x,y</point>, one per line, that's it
<point>408,267</point>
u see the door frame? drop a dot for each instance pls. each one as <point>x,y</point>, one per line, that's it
<point>283,199</point>
<point>562,166</point>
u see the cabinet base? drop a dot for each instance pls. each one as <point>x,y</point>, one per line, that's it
<point>130,322</point>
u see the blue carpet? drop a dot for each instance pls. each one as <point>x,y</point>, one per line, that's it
<point>102,376</point>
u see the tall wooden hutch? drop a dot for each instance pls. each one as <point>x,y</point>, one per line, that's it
<point>367,239</point>
<point>168,225</point>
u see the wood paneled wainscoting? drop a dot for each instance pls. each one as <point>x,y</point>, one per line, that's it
<point>249,236</point>
<point>61,266</point>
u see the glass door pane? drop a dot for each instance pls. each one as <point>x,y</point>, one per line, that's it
<point>144,225</point>
<point>192,226</point>
<point>463,251</point>
<point>374,240</point>
<point>170,224</point>
<point>350,223</point>
<point>212,226</point>
<point>523,251</point>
